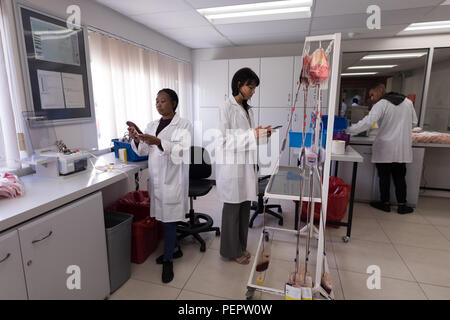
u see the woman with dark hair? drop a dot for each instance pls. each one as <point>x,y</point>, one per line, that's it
<point>236,177</point>
<point>168,184</point>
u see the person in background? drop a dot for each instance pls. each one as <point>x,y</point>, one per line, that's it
<point>355,102</point>
<point>392,147</point>
<point>168,179</point>
<point>237,182</point>
<point>343,108</point>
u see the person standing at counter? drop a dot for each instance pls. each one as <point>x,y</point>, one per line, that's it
<point>237,177</point>
<point>168,177</point>
<point>392,147</point>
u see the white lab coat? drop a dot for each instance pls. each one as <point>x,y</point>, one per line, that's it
<point>393,142</point>
<point>168,185</point>
<point>236,181</point>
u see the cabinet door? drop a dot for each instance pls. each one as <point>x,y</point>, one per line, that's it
<point>268,153</point>
<point>235,65</point>
<point>12,279</point>
<point>413,177</point>
<point>213,83</point>
<point>365,173</point>
<point>73,235</point>
<point>276,82</point>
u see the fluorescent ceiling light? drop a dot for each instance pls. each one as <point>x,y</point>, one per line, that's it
<point>358,74</point>
<point>426,27</point>
<point>265,11</point>
<point>373,67</point>
<point>445,3</point>
<point>394,56</point>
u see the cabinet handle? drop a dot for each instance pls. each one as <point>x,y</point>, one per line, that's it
<point>289,97</point>
<point>295,117</point>
<point>36,241</point>
<point>5,258</point>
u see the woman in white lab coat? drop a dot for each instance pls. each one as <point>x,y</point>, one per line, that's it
<point>236,159</point>
<point>166,142</point>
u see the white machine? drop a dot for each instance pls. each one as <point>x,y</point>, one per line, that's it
<point>70,163</point>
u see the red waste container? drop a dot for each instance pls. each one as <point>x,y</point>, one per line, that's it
<point>338,197</point>
<point>145,230</point>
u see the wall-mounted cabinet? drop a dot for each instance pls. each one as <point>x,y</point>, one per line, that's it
<point>276,82</point>
<point>235,65</point>
<point>213,83</point>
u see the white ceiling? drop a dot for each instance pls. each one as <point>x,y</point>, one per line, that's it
<point>178,20</point>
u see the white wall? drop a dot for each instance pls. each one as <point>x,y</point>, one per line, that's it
<point>84,135</point>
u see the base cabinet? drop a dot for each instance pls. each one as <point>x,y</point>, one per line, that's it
<point>64,252</point>
<point>12,279</point>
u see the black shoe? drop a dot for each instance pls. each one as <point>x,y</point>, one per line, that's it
<point>404,209</point>
<point>167,273</point>
<point>384,206</point>
<point>177,254</point>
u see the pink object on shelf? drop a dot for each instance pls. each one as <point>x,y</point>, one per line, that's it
<point>10,186</point>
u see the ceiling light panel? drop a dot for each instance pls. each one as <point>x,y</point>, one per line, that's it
<point>387,66</point>
<point>426,27</point>
<point>264,11</point>
<point>394,56</point>
<point>358,74</point>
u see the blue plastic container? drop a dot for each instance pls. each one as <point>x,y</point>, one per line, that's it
<point>340,123</point>
<point>295,139</point>
<point>131,155</point>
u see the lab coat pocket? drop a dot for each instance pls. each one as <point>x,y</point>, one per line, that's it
<point>172,194</point>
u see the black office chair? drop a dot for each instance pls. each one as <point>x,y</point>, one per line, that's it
<point>199,186</point>
<point>258,207</point>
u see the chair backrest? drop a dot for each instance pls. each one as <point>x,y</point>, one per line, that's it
<point>200,167</point>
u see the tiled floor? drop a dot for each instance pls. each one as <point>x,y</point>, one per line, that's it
<point>412,252</point>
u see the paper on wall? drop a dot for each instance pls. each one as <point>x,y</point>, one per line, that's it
<point>50,89</point>
<point>73,90</point>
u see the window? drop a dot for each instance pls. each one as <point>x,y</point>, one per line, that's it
<point>9,151</point>
<point>126,79</point>
<point>437,116</point>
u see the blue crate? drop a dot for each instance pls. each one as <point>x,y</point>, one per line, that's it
<point>340,123</point>
<point>295,139</point>
<point>131,155</point>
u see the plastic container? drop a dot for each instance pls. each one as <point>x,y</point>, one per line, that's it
<point>296,139</point>
<point>340,123</point>
<point>144,239</point>
<point>338,198</point>
<point>131,155</point>
<point>118,242</point>
<point>145,231</point>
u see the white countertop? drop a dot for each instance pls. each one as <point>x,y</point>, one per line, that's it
<point>350,155</point>
<point>45,194</point>
<point>369,140</point>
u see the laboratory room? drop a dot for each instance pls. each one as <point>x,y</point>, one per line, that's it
<point>224,150</point>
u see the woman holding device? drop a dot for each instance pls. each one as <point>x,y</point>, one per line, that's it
<point>164,141</point>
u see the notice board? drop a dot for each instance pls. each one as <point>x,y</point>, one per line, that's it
<point>55,69</point>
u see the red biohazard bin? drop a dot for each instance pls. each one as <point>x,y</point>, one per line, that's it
<point>338,197</point>
<point>145,230</point>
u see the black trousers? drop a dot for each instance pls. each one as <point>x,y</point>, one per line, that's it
<point>398,173</point>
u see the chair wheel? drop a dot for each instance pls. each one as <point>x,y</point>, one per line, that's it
<point>217,233</point>
<point>345,239</point>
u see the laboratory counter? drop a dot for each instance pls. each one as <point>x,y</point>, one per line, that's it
<point>44,194</point>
